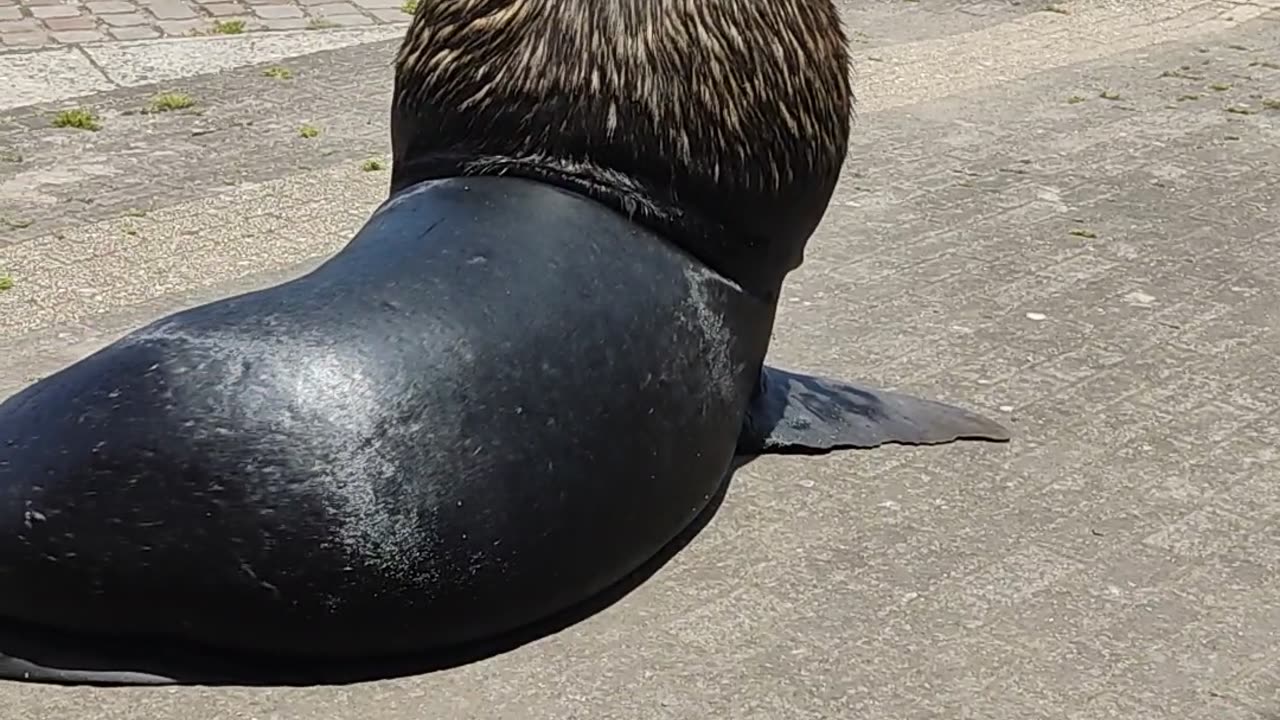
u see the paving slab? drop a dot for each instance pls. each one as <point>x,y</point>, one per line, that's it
<point>40,77</point>
<point>1066,217</point>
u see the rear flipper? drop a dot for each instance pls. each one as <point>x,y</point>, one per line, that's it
<point>793,413</point>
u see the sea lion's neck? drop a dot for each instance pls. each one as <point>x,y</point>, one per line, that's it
<point>717,244</point>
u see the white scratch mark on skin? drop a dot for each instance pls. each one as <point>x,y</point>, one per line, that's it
<point>704,319</point>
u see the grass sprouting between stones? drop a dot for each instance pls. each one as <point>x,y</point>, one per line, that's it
<point>409,7</point>
<point>320,24</point>
<point>1075,100</point>
<point>77,118</point>
<point>164,102</point>
<point>228,27</point>
<point>372,165</point>
<point>279,73</point>
<point>1109,95</point>
<point>1082,233</point>
<point>6,282</point>
<point>1271,103</point>
<point>1220,87</point>
<point>308,131</point>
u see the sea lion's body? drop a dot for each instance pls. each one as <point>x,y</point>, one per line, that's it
<point>505,394</point>
<point>476,414</point>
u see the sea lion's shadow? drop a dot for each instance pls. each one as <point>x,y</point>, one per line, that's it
<point>200,666</point>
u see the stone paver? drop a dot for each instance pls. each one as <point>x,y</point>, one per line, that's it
<point>39,23</point>
<point>1076,231</point>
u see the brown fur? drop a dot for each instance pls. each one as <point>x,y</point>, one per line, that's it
<point>665,104</point>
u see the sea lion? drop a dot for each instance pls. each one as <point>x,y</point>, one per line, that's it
<point>531,369</point>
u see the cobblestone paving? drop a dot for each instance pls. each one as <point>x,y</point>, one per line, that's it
<point>41,23</point>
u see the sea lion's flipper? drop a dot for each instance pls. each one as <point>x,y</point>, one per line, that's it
<point>795,413</point>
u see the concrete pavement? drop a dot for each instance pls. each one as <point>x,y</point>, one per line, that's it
<point>1061,214</point>
<point>57,73</point>
<point>55,49</point>
<point>44,23</point>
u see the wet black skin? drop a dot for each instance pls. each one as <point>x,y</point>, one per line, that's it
<point>498,400</point>
<point>492,403</point>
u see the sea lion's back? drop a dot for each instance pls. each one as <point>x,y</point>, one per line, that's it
<point>497,389</point>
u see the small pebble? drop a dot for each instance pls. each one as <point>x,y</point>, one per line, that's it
<point>1035,316</point>
<point>1006,408</point>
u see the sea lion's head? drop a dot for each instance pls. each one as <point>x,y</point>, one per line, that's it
<point>721,123</point>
